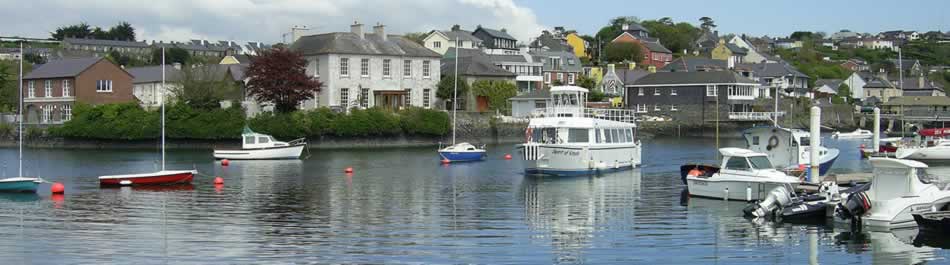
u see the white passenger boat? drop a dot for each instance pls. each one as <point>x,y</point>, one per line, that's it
<point>788,149</point>
<point>899,189</point>
<point>257,146</point>
<point>856,134</point>
<point>570,139</point>
<point>743,175</point>
<point>932,144</point>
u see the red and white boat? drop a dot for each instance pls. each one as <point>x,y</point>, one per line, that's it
<point>163,177</point>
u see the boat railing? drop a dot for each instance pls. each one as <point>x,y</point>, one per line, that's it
<point>298,141</point>
<point>619,115</point>
<point>755,116</point>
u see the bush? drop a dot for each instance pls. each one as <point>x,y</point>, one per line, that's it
<point>125,121</point>
<point>7,130</point>
<point>281,125</point>
<point>185,122</point>
<point>421,121</point>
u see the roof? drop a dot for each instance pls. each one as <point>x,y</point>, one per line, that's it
<point>655,47</point>
<point>832,83</point>
<point>568,89</point>
<point>904,64</point>
<point>776,70</point>
<point>533,95</point>
<point>735,49</point>
<point>569,61</point>
<point>153,74</point>
<point>242,58</point>
<point>694,64</point>
<point>684,78</point>
<point>62,68</point>
<point>462,35</point>
<point>739,152</point>
<point>919,101</point>
<point>370,44</point>
<point>636,27</point>
<point>495,33</point>
<point>475,66</point>
<point>629,76</point>
<point>877,82</point>
<point>115,43</point>
<point>547,40</point>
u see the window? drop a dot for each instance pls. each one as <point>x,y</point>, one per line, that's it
<point>598,137</point>
<point>673,108</point>
<point>656,107</point>
<point>249,139</point>
<point>345,98</point>
<point>737,163</point>
<point>425,69</point>
<point>364,67</point>
<point>760,162</point>
<point>578,135</point>
<point>615,134</point>
<point>66,88</point>
<point>344,67</point>
<point>640,93</point>
<point>67,112</point>
<point>641,108</point>
<point>656,91</point>
<point>425,98</point>
<point>386,73</point>
<point>607,137</point>
<point>570,78</point>
<point>629,133</point>
<point>364,97</point>
<point>540,104</point>
<point>104,86</point>
<point>560,77</point>
<point>437,44</point>
<point>48,88</point>
<point>263,140</point>
<point>755,140</point>
<point>672,92</point>
<point>547,78</point>
<point>406,68</point>
<point>47,113</point>
<point>315,66</point>
<point>32,90</point>
<point>408,97</point>
<point>712,91</point>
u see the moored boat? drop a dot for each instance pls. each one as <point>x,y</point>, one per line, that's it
<point>932,144</point>
<point>164,177</point>
<point>20,183</point>
<point>462,152</point>
<point>257,146</point>
<point>788,149</point>
<point>856,134</point>
<point>938,222</point>
<point>899,189</point>
<point>743,175</point>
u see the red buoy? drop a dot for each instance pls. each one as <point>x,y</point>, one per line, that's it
<point>446,161</point>
<point>507,156</point>
<point>348,170</point>
<point>57,188</point>
<point>218,181</point>
<point>862,146</point>
<point>225,162</point>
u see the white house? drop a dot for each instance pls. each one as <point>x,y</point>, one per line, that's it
<point>856,82</point>
<point>147,84</point>
<point>369,69</point>
<point>752,56</point>
<point>441,41</point>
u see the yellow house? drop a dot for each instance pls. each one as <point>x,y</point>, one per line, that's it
<point>595,73</point>
<point>579,45</point>
<point>728,52</point>
<point>235,59</point>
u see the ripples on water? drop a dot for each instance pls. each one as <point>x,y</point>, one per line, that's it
<point>401,206</point>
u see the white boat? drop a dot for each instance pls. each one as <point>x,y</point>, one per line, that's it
<point>20,183</point>
<point>459,152</point>
<point>931,144</point>
<point>899,189</point>
<point>570,139</point>
<point>788,149</point>
<point>256,146</point>
<point>856,134</point>
<point>743,175</point>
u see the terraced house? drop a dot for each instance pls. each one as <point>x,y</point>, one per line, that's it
<point>365,70</point>
<point>696,96</point>
<point>51,90</point>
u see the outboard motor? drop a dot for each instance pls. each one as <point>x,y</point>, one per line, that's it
<point>778,197</point>
<point>856,206</point>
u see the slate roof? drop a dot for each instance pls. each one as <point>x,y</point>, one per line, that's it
<point>496,33</point>
<point>877,82</point>
<point>907,63</point>
<point>475,66</point>
<point>62,68</point>
<point>534,95</point>
<point>153,74</point>
<point>682,78</point>
<point>636,27</point>
<point>549,41</point>
<point>919,101</point>
<point>775,70</point>
<point>114,43</point>
<point>832,83</point>
<point>735,49</point>
<point>566,59</point>
<point>914,83</point>
<point>242,58</point>
<point>655,47</point>
<point>370,44</point>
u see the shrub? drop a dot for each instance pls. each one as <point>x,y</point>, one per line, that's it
<point>425,122</point>
<point>186,122</point>
<point>282,126</point>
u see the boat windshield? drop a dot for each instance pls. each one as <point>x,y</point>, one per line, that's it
<point>760,162</point>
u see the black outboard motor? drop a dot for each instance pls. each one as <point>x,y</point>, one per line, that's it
<point>857,205</point>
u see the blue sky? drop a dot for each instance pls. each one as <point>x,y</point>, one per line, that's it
<point>774,18</point>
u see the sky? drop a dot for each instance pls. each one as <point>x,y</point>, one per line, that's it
<point>268,20</point>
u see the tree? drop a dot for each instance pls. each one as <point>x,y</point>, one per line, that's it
<point>844,93</point>
<point>707,23</point>
<point>802,35</point>
<point>279,76</point>
<point>676,37</point>
<point>203,87</point>
<point>122,31</point>
<point>8,85</point>
<point>172,55</point>
<point>498,92</point>
<point>80,31</point>
<point>446,87</point>
<point>33,58</point>
<point>417,37</point>
<point>623,52</point>
<point>586,82</point>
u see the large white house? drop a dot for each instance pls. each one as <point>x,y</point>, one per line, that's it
<point>441,41</point>
<point>364,70</point>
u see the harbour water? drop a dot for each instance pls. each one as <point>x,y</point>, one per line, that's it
<point>402,206</point>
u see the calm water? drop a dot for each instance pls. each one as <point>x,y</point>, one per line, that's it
<point>401,206</point>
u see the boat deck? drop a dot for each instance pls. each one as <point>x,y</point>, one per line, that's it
<point>841,179</point>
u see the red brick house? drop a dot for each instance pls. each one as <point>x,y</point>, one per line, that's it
<point>653,52</point>
<point>50,90</point>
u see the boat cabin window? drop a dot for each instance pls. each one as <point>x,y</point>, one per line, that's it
<point>805,141</point>
<point>614,134</point>
<point>760,162</point>
<point>578,135</point>
<point>629,133</point>
<point>544,135</point>
<point>737,163</point>
<point>755,140</point>
<point>597,136</point>
<point>263,140</point>
<point>248,139</point>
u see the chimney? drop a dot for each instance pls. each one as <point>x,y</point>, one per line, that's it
<point>177,66</point>
<point>652,69</point>
<point>456,27</point>
<point>632,66</point>
<point>921,83</point>
<point>380,31</point>
<point>357,29</point>
<point>610,67</point>
<point>624,27</point>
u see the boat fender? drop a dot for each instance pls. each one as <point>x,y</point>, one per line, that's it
<point>773,143</point>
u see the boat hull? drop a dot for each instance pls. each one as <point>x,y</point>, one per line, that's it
<point>924,153</point>
<point>562,160</point>
<point>286,152</point>
<point>715,189</point>
<point>156,178</point>
<point>457,156</point>
<point>19,185</point>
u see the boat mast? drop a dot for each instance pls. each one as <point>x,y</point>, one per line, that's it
<point>455,90</point>
<point>20,116</point>
<point>162,93</point>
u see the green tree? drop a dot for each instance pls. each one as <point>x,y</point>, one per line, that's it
<point>586,82</point>
<point>79,31</point>
<point>172,55</point>
<point>844,93</point>
<point>203,87</point>
<point>122,31</point>
<point>445,90</point>
<point>802,35</point>
<point>498,92</point>
<point>417,37</point>
<point>8,85</point>
<point>675,37</point>
<point>623,52</point>
<point>707,23</point>
<point>33,58</point>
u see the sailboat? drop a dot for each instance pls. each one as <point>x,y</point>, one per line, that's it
<point>459,152</point>
<point>20,183</point>
<point>162,177</point>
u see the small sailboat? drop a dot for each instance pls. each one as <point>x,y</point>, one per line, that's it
<point>459,152</point>
<point>257,146</point>
<point>162,177</point>
<point>856,134</point>
<point>933,145</point>
<point>20,183</point>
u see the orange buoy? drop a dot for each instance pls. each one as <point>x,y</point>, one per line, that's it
<point>507,156</point>
<point>225,162</point>
<point>694,173</point>
<point>801,166</point>
<point>218,180</point>
<point>348,170</point>
<point>862,146</point>
<point>446,161</point>
<point>57,188</point>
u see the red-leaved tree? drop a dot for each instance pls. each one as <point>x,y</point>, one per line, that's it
<point>279,76</point>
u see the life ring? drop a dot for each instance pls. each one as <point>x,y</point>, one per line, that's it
<point>773,143</point>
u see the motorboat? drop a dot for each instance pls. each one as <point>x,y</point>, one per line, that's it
<point>899,189</point>
<point>257,146</point>
<point>743,175</point>
<point>462,152</point>
<point>932,144</point>
<point>934,222</point>
<point>161,177</point>
<point>856,134</point>
<point>788,149</point>
<point>568,138</point>
<point>20,183</point>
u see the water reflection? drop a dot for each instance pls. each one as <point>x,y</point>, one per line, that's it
<point>893,247</point>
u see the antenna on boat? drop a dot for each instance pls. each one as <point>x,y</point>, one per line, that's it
<point>163,108</point>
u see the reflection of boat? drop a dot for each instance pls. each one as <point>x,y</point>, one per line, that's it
<point>898,190</point>
<point>743,175</point>
<point>856,134</point>
<point>19,197</point>
<point>933,222</point>
<point>891,247</point>
<point>164,188</point>
<point>262,146</point>
<point>462,152</point>
<point>20,183</point>
<point>788,148</point>
<point>570,139</point>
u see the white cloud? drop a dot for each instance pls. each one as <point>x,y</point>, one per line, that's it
<point>265,20</point>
